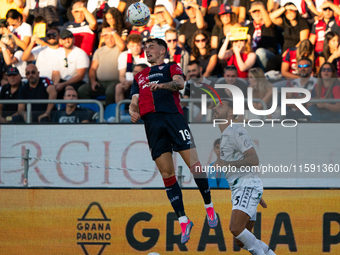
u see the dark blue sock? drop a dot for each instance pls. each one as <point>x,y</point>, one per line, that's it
<point>201,181</point>
<point>174,193</point>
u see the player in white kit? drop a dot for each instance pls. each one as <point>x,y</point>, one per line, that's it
<point>239,156</point>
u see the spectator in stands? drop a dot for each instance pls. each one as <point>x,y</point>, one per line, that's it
<point>114,20</point>
<point>98,7</point>
<point>73,113</point>
<point>175,53</point>
<point>262,89</point>
<point>328,23</point>
<point>217,179</point>
<point>10,91</point>
<point>103,73</point>
<point>36,88</point>
<point>42,55</point>
<point>71,65</point>
<point>22,31</point>
<point>195,22</point>
<point>82,27</point>
<point>230,77</point>
<point>174,8</point>
<point>296,28</point>
<point>262,34</point>
<point>331,51</point>
<point>225,20</point>
<point>293,55</point>
<point>305,81</point>
<point>6,5</point>
<point>245,7</point>
<point>193,87</point>
<point>144,31</point>
<point>126,60</point>
<point>240,55</point>
<point>44,8</point>
<point>328,86</point>
<point>11,54</point>
<point>163,22</point>
<point>202,51</point>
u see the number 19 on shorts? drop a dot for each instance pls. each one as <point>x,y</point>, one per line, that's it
<point>185,134</point>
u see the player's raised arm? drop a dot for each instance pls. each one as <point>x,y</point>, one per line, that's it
<point>250,159</point>
<point>176,84</point>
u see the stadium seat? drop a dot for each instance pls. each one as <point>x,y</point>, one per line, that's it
<point>92,107</point>
<point>110,114</point>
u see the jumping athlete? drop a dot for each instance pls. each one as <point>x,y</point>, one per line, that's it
<point>155,99</point>
<point>237,153</point>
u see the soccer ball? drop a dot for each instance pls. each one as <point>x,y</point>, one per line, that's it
<point>138,14</point>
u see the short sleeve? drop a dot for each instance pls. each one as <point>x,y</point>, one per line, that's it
<point>122,59</point>
<point>286,58</point>
<point>215,31</point>
<point>313,29</point>
<point>82,60</point>
<point>18,55</point>
<point>176,70</point>
<point>303,24</point>
<point>243,3</point>
<point>36,50</point>
<point>134,88</point>
<point>96,55</point>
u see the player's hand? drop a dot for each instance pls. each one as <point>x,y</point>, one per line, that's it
<point>94,86</point>
<point>263,203</point>
<point>155,86</point>
<point>135,116</point>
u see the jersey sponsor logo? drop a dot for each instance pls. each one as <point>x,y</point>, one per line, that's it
<point>247,143</point>
<point>155,75</point>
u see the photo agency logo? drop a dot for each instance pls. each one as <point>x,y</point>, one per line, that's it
<point>238,105</point>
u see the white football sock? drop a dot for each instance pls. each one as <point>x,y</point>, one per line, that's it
<point>208,205</point>
<point>265,248</point>
<point>250,242</point>
<point>183,219</point>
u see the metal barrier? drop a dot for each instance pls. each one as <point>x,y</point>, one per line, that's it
<point>29,103</point>
<point>191,102</point>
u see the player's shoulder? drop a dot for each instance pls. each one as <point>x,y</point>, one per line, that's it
<point>236,131</point>
<point>141,76</point>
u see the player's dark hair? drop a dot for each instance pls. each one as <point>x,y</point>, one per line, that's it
<point>229,102</point>
<point>217,141</point>
<point>159,41</point>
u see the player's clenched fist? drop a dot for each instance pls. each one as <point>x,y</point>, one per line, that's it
<point>135,116</point>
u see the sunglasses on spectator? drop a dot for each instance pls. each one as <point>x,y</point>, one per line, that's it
<point>202,40</point>
<point>172,40</point>
<point>30,72</point>
<point>324,69</point>
<point>65,62</point>
<point>327,8</point>
<point>303,66</point>
<point>49,35</point>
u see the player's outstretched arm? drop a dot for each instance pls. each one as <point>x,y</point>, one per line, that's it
<point>250,159</point>
<point>176,84</point>
<point>134,109</point>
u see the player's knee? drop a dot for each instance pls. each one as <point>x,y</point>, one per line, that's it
<point>235,230</point>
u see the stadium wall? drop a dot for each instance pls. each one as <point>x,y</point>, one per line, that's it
<point>87,221</point>
<point>117,156</point>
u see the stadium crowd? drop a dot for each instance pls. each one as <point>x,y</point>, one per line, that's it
<point>50,47</point>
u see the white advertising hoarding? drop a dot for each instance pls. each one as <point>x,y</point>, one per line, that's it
<point>117,156</point>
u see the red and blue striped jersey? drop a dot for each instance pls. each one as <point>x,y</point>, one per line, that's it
<point>160,100</point>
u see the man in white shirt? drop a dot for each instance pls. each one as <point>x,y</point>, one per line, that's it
<point>71,65</point>
<point>43,54</point>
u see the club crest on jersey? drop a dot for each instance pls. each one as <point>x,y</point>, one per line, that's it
<point>161,67</point>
